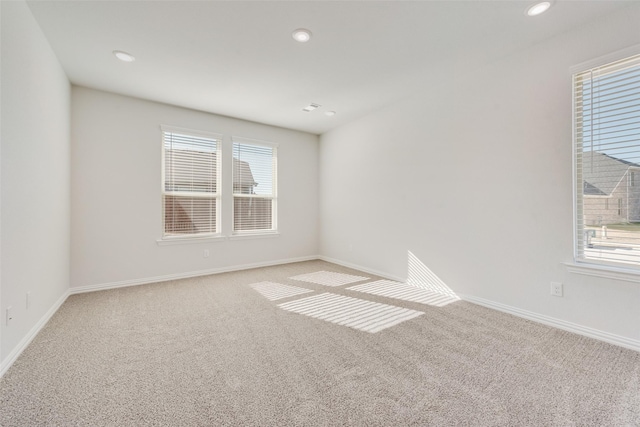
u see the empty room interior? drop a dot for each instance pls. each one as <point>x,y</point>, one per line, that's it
<point>320,213</point>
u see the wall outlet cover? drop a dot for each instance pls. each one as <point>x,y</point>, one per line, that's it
<point>556,289</point>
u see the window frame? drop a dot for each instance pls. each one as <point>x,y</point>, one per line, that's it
<point>580,264</point>
<point>169,239</point>
<point>274,197</point>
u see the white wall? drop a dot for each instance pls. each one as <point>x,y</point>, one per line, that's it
<point>35,196</point>
<point>116,199</point>
<point>473,175</point>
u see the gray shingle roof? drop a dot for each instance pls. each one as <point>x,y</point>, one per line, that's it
<point>602,173</point>
<point>242,173</point>
<point>200,177</point>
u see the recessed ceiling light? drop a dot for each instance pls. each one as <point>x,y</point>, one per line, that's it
<point>309,108</point>
<point>124,56</point>
<point>538,8</point>
<point>301,35</point>
<point>330,113</point>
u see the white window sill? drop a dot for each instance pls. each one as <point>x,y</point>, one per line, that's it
<point>189,240</point>
<point>604,271</point>
<point>263,235</point>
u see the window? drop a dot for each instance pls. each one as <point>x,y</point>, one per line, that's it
<point>607,151</point>
<point>191,176</point>
<point>254,186</point>
<point>619,207</point>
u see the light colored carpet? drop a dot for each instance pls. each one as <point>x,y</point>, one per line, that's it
<point>354,313</point>
<point>329,278</point>
<point>213,351</point>
<point>275,291</point>
<point>405,292</point>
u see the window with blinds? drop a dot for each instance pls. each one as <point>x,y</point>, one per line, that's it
<point>607,163</point>
<point>191,183</point>
<point>254,186</point>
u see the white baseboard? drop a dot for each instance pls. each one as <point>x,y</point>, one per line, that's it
<point>525,314</point>
<point>8,361</point>
<point>11,358</point>
<point>529,315</point>
<point>363,269</point>
<point>557,323</point>
<point>147,280</point>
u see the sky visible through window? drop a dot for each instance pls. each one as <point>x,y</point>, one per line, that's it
<point>608,133</point>
<point>260,160</point>
<point>611,114</point>
<point>176,141</point>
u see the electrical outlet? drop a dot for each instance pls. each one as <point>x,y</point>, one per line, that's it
<point>206,253</point>
<point>556,289</point>
<point>9,315</point>
<point>28,301</point>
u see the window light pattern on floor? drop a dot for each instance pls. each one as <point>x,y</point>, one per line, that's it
<point>404,292</point>
<point>329,278</point>
<point>275,291</point>
<point>421,276</point>
<point>355,313</point>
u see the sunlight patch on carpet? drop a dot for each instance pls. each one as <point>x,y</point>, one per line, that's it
<point>421,276</point>
<point>329,278</point>
<point>275,291</point>
<point>404,292</point>
<point>355,313</point>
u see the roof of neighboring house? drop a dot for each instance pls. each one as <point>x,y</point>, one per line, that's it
<point>242,174</point>
<point>590,190</point>
<point>602,173</point>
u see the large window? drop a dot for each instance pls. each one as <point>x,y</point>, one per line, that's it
<point>191,177</point>
<point>607,158</point>
<point>254,186</point>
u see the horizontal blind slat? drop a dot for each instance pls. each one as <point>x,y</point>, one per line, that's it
<point>254,187</point>
<point>191,176</point>
<point>607,138</point>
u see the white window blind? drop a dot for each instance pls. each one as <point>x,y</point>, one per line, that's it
<point>191,177</point>
<point>254,186</point>
<point>607,163</point>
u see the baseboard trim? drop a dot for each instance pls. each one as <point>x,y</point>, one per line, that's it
<point>525,314</point>
<point>8,361</point>
<point>557,323</point>
<point>11,358</point>
<point>177,276</point>
<point>363,269</point>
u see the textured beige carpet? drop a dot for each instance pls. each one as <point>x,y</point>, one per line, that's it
<point>215,351</point>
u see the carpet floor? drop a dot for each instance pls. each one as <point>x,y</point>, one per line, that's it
<point>239,349</point>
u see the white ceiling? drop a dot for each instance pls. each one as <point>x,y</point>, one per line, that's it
<point>238,58</point>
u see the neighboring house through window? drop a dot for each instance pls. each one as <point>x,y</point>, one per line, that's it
<point>191,177</point>
<point>254,186</point>
<point>607,157</point>
<point>606,177</point>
